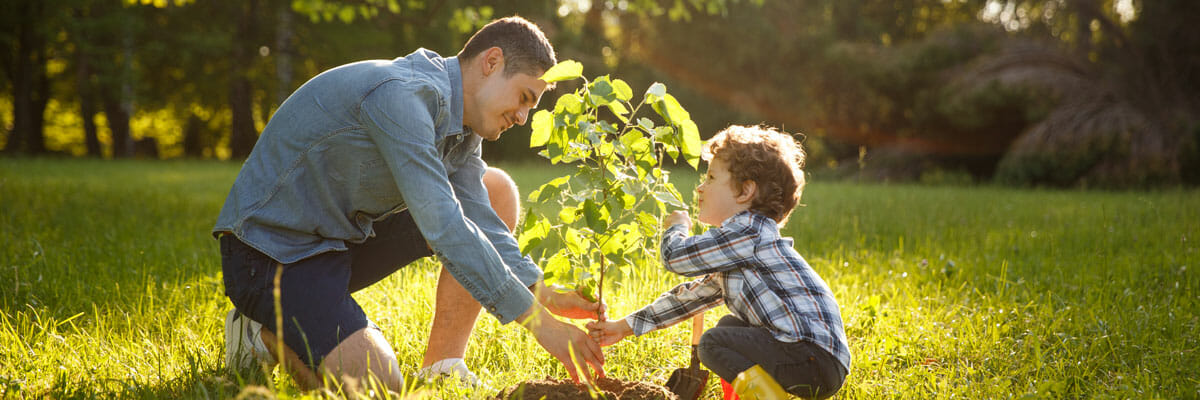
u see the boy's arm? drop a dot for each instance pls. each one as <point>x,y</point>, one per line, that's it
<point>718,249</point>
<point>678,304</point>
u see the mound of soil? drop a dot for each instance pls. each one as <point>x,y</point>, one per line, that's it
<point>611,389</point>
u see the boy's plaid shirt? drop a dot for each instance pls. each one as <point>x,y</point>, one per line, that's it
<point>757,274</point>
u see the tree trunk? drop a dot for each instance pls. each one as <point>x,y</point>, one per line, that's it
<point>193,145</point>
<point>283,52</point>
<point>117,97</point>
<point>241,103</point>
<point>41,96</point>
<point>87,101</point>
<point>118,124</point>
<point>28,78</point>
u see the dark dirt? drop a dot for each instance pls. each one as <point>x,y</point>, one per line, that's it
<point>614,389</point>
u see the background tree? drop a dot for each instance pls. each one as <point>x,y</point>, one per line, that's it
<point>28,26</point>
<point>1055,92</point>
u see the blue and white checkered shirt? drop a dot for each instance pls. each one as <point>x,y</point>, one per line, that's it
<point>746,264</point>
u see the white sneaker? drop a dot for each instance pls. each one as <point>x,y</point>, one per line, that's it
<point>244,348</point>
<point>451,367</point>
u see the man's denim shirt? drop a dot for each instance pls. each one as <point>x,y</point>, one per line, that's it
<point>367,140</point>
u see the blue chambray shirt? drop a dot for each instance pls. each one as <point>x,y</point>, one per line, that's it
<point>366,140</point>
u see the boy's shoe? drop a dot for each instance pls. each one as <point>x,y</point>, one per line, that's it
<point>244,348</point>
<point>451,367</point>
<point>756,384</point>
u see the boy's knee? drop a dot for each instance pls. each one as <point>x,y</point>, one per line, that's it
<point>708,346</point>
<point>504,195</point>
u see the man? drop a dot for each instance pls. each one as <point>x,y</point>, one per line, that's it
<point>368,167</point>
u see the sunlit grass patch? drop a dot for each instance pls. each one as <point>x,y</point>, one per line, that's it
<point>110,287</point>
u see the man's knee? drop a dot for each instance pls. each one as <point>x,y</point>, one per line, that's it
<point>363,354</point>
<point>504,195</point>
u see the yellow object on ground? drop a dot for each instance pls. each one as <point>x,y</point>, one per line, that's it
<point>756,384</point>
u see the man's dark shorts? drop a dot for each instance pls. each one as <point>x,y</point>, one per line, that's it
<point>318,312</point>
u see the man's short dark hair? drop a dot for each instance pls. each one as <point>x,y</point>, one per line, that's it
<point>525,47</point>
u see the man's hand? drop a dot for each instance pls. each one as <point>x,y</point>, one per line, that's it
<point>678,218</point>
<point>570,345</point>
<point>608,333</point>
<point>569,304</point>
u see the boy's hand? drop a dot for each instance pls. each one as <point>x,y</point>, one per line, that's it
<point>608,333</point>
<point>678,218</point>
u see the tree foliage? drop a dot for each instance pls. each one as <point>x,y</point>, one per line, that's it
<point>911,85</point>
<point>901,79</point>
<point>606,220</point>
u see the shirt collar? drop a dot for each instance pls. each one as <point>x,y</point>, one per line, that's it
<point>454,70</point>
<point>748,218</point>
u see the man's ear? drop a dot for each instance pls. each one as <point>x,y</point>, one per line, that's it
<point>493,60</point>
<point>749,189</point>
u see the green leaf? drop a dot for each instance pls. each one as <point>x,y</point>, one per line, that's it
<point>600,92</point>
<point>676,195</point>
<point>570,103</point>
<point>533,236</point>
<point>574,241</point>
<point>619,110</point>
<point>548,190</point>
<point>629,139</point>
<point>587,290</point>
<point>646,124</point>
<point>628,201</point>
<point>593,214</point>
<point>558,268</point>
<point>543,123</point>
<point>564,70</point>
<point>672,151</point>
<point>622,89</point>
<point>668,197</point>
<point>671,110</point>
<point>664,134</point>
<point>655,92</point>
<point>647,223</point>
<point>568,214</point>
<point>611,243</point>
<point>691,143</point>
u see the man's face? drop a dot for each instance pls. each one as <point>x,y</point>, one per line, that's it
<point>503,102</point>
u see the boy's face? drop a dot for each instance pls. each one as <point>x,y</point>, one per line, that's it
<point>717,197</point>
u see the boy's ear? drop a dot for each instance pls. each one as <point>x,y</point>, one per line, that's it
<point>749,189</point>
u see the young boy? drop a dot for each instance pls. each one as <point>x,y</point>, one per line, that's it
<point>785,332</point>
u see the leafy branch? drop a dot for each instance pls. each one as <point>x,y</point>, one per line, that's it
<point>610,207</point>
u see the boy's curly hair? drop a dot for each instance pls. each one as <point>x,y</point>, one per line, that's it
<point>767,156</point>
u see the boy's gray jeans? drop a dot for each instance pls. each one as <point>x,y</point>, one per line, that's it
<point>803,368</point>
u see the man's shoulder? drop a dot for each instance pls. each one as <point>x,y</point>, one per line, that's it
<point>428,65</point>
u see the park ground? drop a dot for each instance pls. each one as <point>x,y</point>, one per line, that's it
<point>110,286</point>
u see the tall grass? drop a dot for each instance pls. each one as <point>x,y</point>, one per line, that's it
<point>110,287</point>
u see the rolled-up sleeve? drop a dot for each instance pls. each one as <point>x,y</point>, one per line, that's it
<point>468,187</point>
<point>400,116</point>
<point>680,303</point>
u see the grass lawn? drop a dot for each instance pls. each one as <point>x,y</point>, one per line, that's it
<point>110,286</point>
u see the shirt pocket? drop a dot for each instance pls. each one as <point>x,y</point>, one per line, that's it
<point>375,179</point>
